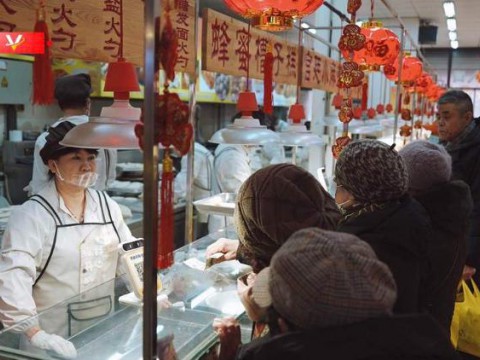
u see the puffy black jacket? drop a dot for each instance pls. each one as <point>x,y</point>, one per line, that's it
<point>466,167</point>
<point>449,206</point>
<point>405,337</point>
<point>399,234</point>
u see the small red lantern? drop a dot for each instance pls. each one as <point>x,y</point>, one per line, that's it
<point>412,69</point>
<point>389,108</point>
<point>381,47</point>
<point>273,15</point>
<point>371,113</point>
<point>380,109</point>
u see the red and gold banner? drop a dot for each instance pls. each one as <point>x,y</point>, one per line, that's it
<point>91,29</point>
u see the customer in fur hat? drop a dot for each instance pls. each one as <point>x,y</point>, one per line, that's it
<point>372,183</point>
<point>272,204</point>
<point>449,205</point>
<point>329,297</point>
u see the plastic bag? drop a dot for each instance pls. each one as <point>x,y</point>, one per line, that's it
<point>465,328</point>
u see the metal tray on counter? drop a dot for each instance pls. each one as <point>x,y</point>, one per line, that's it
<point>221,204</point>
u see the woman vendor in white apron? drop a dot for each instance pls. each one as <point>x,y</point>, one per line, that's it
<point>61,242</point>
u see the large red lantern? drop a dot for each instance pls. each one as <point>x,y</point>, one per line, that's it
<point>381,47</point>
<point>412,69</point>
<point>423,82</point>
<point>273,15</point>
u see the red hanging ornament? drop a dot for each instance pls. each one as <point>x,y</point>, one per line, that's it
<point>405,131</point>
<point>412,68</point>
<point>353,6</point>
<point>339,145</point>
<point>406,114</point>
<point>357,113</point>
<point>381,47</point>
<point>380,109</point>
<point>389,108</point>
<point>418,111</point>
<point>350,76</point>
<point>371,113</point>
<point>337,101</point>
<point>273,15</point>
<point>352,39</point>
<point>418,124</point>
<point>346,114</point>
<point>364,96</point>
<point>268,82</point>
<point>43,81</point>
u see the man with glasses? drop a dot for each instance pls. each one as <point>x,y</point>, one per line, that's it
<point>459,132</point>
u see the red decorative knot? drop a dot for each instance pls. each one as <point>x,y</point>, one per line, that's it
<point>371,113</point>
<point>405,130</point>
<point>350,75</point>
<point>406,114</point>
<point>339,145</point>
<point>381,47</point>
<point>380,109</point>
<point>351,40</point>
<point>346,114</point>
<point>353,6</point>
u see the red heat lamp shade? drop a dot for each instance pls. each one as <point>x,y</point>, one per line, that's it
<point>273,15</point>
<point>412,68</point>
<point>296,113</point>
<point>247,103</point>
<point>381,47</point>
<point>121,79</point>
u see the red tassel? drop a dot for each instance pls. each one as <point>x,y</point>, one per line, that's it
<point>165,227</point>
<point>364,96</point>
<point>268,83</point>
<point>43,84</point>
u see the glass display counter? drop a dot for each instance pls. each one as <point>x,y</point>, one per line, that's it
<point>199,297</point>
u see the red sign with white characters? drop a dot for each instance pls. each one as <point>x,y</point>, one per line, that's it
<point>25,43</point>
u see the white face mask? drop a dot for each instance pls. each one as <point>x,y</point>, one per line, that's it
<point>84,180</point>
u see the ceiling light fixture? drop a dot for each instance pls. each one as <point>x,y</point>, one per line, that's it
<point>449,8</point>
<point>312,31</point>
<point>452,35</point>
<point>305,25</point>
<point>454,44</point>
<point>452,24</point>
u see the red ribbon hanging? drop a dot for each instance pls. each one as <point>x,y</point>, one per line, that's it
<point>268,83</point>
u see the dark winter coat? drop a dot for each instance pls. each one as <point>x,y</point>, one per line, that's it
<point>398,233</point>
<point>449,206</point>
<point>405,337</point>
<point>466,167</point>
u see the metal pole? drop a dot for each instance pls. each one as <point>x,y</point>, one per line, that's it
<point>399,84</point>
<point>150,180</point>
<point>191,153</point>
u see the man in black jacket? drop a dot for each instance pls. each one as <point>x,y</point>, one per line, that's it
<point>459,132</point>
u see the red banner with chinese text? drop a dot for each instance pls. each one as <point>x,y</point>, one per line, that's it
<point>90,29</point>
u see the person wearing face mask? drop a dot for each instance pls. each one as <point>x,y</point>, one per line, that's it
<point>59,243</point>
<point>73,95</point>
<point>372,184</point>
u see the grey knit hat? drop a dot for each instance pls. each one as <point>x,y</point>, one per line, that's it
<point>272,204</point>
<point>322,278</point>
<point>427,164</point>
<point>371,171</point>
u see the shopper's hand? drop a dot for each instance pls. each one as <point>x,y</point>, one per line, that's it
<point>468,272</point>
<point>244,289</point>
<point>54,343</point>
<point>228,331</point>
<point>225,246</point>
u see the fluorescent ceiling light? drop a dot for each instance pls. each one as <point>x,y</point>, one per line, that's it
<point>312,31</point>
<point>452,35</point>
<point>452,24</point>
<point>449,8</point>
<point>305,25</point>
<point>454,44</point>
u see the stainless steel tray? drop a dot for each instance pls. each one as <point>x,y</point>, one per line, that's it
<point>221,204</point>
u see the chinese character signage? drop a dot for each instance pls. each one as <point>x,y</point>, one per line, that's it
<point>228,48</point>
<point>92,30</point>
<point>318,71</point>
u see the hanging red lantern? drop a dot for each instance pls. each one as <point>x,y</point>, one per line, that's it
<point>380,109</point>
<point>412,69</point>
<point>371,113</point>
<point>337,101</point>
<point>406,114</point>
<point>405,130</point>
<point>357,113</point>
<point>381,47</point>
<point>389,108</point>
<point>423,82</point>
<point>273,15</point>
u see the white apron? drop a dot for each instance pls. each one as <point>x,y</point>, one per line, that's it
<point>81,257</point>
